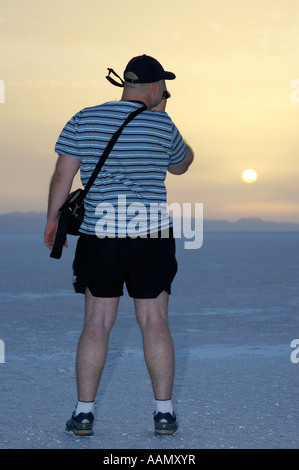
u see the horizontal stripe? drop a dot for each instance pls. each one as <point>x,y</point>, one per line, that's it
<point>136,167</point>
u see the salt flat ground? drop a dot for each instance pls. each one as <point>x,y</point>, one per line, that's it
<point>233,315</point>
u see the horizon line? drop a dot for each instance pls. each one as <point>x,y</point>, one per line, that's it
<point>256,218</point>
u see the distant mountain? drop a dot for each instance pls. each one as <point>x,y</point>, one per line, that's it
<point>34,222</point>
<point>249,225</point>
<point>22,222</point>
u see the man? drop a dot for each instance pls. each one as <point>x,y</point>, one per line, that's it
<point>109,256</point>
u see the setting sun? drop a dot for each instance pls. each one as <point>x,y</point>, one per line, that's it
<point>249,176</point>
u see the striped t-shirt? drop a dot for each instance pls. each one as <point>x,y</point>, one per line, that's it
<point>130,188</point>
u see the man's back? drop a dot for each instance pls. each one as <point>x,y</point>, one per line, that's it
<point>136,168</point>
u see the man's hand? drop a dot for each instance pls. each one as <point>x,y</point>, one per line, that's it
<point>61,183</point>
<point>50,234</point>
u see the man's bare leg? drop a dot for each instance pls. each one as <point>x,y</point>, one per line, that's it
<point>152,317</point>
<point>100,316</point>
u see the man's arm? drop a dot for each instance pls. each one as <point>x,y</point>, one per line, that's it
<point>60,186</point>
<point>182,167</point>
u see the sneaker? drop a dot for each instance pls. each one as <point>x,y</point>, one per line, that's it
<point>81,425</point>
<point>165,424</point>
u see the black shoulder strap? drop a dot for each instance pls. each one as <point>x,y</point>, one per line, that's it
<point>107,150</point>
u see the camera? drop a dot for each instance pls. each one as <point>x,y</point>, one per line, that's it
<point>166,95</point>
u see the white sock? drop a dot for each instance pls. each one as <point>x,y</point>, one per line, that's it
<point>84,407</point>
<point>164,406</point>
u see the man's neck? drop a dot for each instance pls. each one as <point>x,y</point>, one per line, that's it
<point>138,99</point>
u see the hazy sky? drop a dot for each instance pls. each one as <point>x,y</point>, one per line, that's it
<point>235,62</point>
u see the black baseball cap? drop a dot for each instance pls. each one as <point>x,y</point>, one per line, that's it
<point>147,69</point>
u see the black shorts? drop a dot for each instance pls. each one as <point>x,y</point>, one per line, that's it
<point>147,266</point>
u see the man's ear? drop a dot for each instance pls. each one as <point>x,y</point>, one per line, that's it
<point>154,94</point>
<point>155,85</point>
